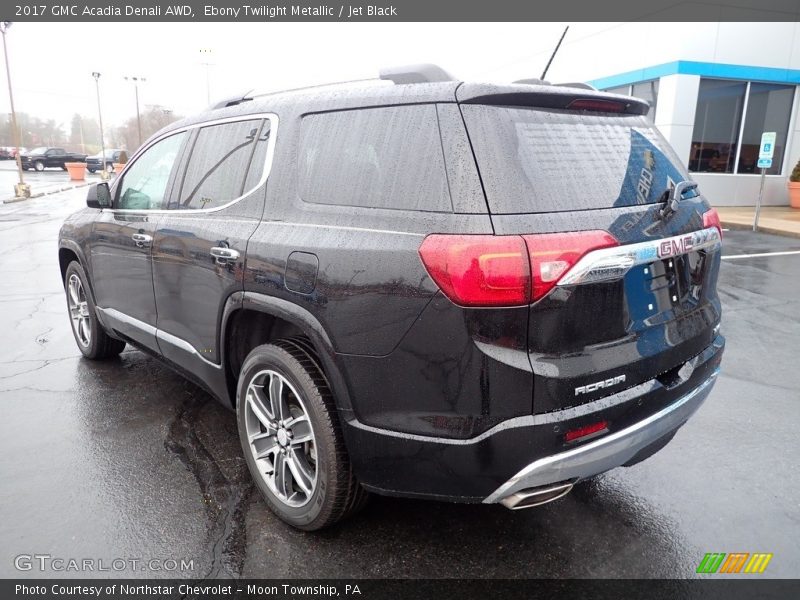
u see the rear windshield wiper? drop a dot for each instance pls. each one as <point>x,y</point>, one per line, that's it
<point>672,195</point>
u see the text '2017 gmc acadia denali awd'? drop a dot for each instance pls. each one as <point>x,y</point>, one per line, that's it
<point>417,287</point>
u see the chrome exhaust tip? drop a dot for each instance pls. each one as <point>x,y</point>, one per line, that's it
<point>531,497</point>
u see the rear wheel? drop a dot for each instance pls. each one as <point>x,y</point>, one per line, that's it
<point>92,340</point>
<point>91,170</point>
<point>291,438</point>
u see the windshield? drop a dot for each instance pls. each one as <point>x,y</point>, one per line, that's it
<point>535,160</point>
<point>41,150</point>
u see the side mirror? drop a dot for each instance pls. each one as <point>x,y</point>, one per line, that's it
<point>99,196</point>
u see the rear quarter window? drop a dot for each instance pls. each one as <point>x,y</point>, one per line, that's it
<point>375,158</point>
<point>535,161</point>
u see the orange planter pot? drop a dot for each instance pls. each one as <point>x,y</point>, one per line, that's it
<point>118,167</point>
<point>77,171</point>
<point>794,194</point>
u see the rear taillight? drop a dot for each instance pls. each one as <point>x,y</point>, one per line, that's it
<point>479,270</point>
<point>711,219</point>
<point>553,254</point>
<point>512,270</point>
<point>583,432</point>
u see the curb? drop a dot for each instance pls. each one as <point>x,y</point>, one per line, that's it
<point>48,192</point>
<point>761,229</point>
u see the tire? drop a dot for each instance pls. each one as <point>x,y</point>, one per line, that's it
<point>318,487</point>
<point>109,167</point>
<point>63,167</point>
<point>38,165</point>
<point>92,340</point>
<point>91,170</point>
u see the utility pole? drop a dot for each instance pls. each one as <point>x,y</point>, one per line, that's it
<point>104,172</point>
<point>21,190</point>
<point>136,81</point>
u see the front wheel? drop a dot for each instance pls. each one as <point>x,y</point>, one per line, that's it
<point>38,165</point>
<point>292,442</point>
<point>92,340</point>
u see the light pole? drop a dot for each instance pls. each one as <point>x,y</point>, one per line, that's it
<point>104,172</point>
<point>136,81</point>
<point>21,190</point>
<point>205,60</point>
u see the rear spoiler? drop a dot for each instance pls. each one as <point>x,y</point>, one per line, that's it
<point>548,96</point>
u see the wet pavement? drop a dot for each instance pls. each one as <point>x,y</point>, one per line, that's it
<point>125,459</point>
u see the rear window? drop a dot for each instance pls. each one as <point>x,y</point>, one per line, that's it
<point>374,158</point>
<point>556,160</point>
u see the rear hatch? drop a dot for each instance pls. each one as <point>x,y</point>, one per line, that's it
<point>640,304</point>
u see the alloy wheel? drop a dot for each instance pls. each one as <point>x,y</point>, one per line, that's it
<point>281,438</point>
<point>79,310</point>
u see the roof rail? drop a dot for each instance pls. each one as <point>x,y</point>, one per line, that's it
<point>532,81</point>
<point>577,84</point>
<point>420,73</point>
<point>233,101</point>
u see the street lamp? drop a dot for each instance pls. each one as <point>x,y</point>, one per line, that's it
<point>205,60</point>
<point>21,190</point>
<point>136,81</point>
<point>104,172</point>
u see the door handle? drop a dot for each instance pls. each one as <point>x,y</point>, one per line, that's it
<point>142,239</point>
<point>223,255</point>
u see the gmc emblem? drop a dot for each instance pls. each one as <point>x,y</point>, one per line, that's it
<point>675,246</point>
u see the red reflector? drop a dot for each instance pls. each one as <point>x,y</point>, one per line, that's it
<point>479,270</point>
<point>597,105</point>
<point>711,219</point>
<point>505,270</point>
<point>553,254</point>
<point>576,434</point>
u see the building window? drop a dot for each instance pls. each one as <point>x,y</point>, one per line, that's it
<point>769,107</point>
<point>718,125</point>
<point>646,90</point>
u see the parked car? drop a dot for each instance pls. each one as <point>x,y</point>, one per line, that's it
<point>447,290</point>
<point>44,157</point>
<point>95,162</point>
<point>6,153</point>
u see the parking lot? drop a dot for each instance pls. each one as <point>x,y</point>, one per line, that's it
<point>125,459</point>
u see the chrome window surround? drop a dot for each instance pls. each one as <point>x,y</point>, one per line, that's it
<point>612,263</point>
<point>273,128</point>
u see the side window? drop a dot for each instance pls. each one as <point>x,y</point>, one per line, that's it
<point>144,184</point>
<point>259,159</point>
<point>375,158</point>
<point>218,165</point>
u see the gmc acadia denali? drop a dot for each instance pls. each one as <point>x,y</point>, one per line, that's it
<point>417,287</point>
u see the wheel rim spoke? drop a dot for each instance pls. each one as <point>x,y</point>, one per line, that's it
<point>301,472</point>
<point>301,431</point>
<point>281,480</point>
<point>276,399</point>
<point>255,399</point>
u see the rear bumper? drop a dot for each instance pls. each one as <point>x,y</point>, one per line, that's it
<point>529,451</point>
<point>607,452</point>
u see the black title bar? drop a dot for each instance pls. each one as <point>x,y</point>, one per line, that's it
<point>407,11</point>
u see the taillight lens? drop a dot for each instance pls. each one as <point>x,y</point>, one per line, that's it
<point>512,270</point>
<point>479,270</point>
<point>711,219</point>
<point>553,254</point>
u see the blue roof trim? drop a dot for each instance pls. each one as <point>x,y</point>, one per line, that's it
<point>703,69</point>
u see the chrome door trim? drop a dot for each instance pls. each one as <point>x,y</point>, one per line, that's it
<point>159,334</point>
<point>273,128</point>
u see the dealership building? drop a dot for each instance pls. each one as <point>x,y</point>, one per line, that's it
<point>714,88</point>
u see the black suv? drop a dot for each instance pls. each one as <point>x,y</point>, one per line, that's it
<point>418,287</point>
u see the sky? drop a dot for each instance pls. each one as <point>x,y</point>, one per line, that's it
<point>51,63</point>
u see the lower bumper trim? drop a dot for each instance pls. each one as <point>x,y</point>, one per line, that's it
<point>607,452</point>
